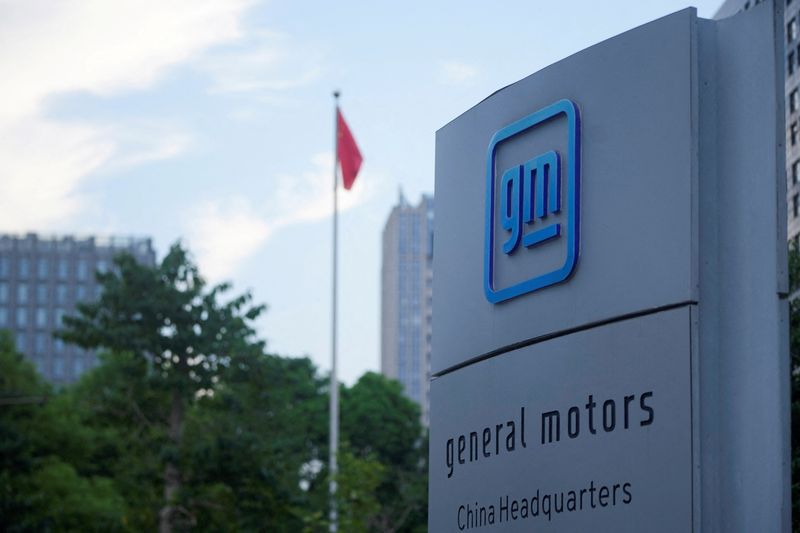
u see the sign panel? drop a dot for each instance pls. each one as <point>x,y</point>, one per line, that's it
<point>566,198</point>
<point>547,438</point>
<point>609,347</point>
<point>530,198</point>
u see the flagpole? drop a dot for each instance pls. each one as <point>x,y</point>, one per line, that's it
<point>334,386</point>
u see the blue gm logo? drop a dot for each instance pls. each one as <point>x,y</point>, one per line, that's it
<point>531,209</point>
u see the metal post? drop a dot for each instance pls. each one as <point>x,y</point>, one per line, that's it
<point>334,386</point>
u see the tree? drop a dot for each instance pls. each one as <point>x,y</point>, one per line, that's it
<point>21,392</point>
<point>42,450</point>
<point>794,350</point>
<point>250,445</point>
<point>186,422</point>
<point>378,419</point>
<point>167,317</point>
<point>380,423</point>
<point>119,411</point>
<point>357,487</point>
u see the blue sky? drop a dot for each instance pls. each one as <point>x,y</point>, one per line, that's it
<point>212,122</point>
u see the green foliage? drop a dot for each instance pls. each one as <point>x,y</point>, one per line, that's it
<point>380,424</point>
<point>248,442</point>
<point>123,414</point>
<point>63,500</point>
<point>43,485</point>
<point>377,419</point>
<point>794,350</point>
<point>182,333</point>
<point>169,317</point>
<point>251,440</point>
<point>357,487</point>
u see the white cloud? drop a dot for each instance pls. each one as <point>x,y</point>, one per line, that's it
<point>49,48</point>
<point>307,196</point>
<point>264,62</point>
<point>41,164</point>
<point>143,141</point>
<point>99,46</point>
<point>456,73</point>
<point>224,233</point>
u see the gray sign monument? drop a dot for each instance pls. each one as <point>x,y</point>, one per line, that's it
<point>610,327</point>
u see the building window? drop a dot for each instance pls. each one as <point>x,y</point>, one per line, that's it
<point>102,266</point>
<point>58,345</point>
<point>795,172</point>
<point>83,270</point>
<point>59,316</point>
<point>790,63</point>
<point>63,269</point>
<point>3,317</point>
<point>41,317</point>
<point>22,293</point>
<point>39,342</point>
<point>81,293</point>
<point>3,292</point>
<point>42,268</point>
<point>794,101</point>
<point>22,317</point>
<point>41,294</point>
<point>24,268</point>
<point>4,266</point>
<point>793,134</point>
<point>61,293</point>
<point>791,30</point>
<point>795,205</point>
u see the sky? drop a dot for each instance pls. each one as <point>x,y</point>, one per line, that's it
<point>211,122</point>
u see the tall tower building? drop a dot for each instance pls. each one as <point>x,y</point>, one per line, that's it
<point>792,74</point>
<point>791,41</point>
<point>42,279</point>
<point>407,298</point>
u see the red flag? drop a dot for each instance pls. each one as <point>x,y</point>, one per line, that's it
<point>347,151</point>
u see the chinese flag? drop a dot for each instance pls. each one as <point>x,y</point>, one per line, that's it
<point>347,151</point>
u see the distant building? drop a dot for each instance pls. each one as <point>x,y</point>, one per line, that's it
<point>792,65</point>
<point>791,41</point>
<point>407,298</point>
<point>42,279</point>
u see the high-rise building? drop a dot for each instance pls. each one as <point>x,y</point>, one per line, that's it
<point>792,74</point>
<point>42,279</point>
<point>791,41</point>
<point>407,298</point>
